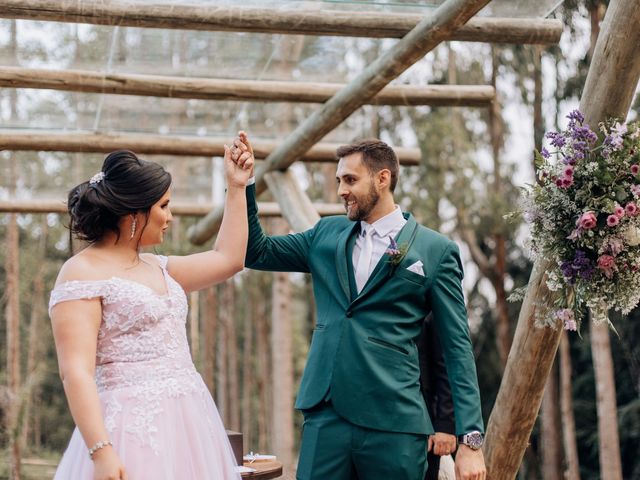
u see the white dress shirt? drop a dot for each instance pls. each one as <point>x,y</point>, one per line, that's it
<point>384,229</point>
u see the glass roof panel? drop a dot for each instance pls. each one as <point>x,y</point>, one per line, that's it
<point>205,54</point>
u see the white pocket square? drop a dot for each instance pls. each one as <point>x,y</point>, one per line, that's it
<point>416,268</point>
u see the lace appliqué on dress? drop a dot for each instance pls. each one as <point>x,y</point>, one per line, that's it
<point>142,351</point>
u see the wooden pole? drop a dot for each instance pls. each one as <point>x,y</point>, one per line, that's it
<point>294,202</point>
<point>430,32</point>
<point>83,141</point>
<point>267,209</point>
<point>262,20</point>
<point>241,90</point>
<point>609,88</point>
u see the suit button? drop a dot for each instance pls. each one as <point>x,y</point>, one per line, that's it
<point>349,314</point>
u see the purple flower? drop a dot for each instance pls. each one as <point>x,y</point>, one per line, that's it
<point>557,139</point>
<point>392,249</point>
<point>580,267</point>
<point>545,153</point>
<point>576,116</point>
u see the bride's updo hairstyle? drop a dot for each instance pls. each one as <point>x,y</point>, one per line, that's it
<point>125,185</point>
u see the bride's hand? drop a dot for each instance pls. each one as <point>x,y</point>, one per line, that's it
<point>107,465</point>
<point>239,161</point>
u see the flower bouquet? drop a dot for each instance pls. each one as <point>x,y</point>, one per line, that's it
<point>585,219</point>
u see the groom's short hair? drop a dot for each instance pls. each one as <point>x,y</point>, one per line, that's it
<point>376,155</point>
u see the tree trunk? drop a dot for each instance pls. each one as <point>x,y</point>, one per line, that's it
<point>550,439</point>
<point>194,327</point>
<point>248,361</point>
<point>12,314</point>
<point>33,349</point>
<point>263,374</point>
<point>609,88</point>
<point>232,349</point>
<point>222,370</point>
<point>210,321</point>
<point>496,130</point>
<point>282,363</point>
<point>566,406</point>
<point>608,440</point>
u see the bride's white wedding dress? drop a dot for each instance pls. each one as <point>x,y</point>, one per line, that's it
<point>159,414</point>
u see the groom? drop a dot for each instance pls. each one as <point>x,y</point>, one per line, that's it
<point>376,275</point>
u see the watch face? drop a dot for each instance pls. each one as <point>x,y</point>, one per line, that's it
<point>474,440</point>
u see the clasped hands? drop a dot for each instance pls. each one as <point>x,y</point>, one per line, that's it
<point>239,161</point>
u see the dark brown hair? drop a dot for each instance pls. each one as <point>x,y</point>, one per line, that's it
<point>129,185</point>
<point>376,156</point>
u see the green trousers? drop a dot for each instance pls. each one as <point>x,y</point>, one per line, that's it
<point>335,449</point>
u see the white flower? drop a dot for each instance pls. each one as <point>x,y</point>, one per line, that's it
<point>632,236</point>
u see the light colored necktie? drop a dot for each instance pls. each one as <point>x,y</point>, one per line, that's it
<point>362,268</point>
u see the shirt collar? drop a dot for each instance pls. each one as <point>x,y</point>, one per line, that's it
<point>385,225</point>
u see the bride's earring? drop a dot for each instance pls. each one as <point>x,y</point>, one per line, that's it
<point>134,224</point>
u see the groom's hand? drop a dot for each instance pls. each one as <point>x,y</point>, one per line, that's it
<point>442,443</point>
<point>470,464</point>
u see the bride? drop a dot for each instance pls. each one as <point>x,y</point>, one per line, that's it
<point>140,408</point>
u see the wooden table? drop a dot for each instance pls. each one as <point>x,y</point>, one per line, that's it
<point>265,470</point>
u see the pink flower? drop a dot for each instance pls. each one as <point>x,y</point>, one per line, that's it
<point>612,220</point>
<point>635,169</point>
<point>618,211</point>
<point>568,171</point>
<point>607,264</point>
<point>635,189</point>
<point>587,221</point>
<point>567,317</point>
<point>631,209</point>
<point>567,182</point>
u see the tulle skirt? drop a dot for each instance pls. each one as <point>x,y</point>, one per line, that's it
<point>168,437</point>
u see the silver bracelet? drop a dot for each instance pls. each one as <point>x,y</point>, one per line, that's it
<point>98,446</point>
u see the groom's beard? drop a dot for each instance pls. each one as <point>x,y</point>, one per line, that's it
<point>364,205</point>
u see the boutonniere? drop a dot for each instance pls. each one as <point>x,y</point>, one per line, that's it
<point>396,252</point>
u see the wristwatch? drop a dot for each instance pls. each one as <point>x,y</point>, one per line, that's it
<point>473,440</point>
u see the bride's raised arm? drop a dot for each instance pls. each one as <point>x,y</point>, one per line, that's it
<point>201,270</point>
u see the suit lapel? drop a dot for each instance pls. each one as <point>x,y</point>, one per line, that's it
<point>380,273</point>
<point>344,249</point>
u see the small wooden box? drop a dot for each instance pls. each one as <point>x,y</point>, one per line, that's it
<point>235,438</point>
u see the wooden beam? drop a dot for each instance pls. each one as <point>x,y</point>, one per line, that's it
<point>190,209</point>
<point>87,142</point>
<point>429,33</point>
<point>244,90</point>
<point>609,89</point>
<point>262,20</point>
<point>294,203</point>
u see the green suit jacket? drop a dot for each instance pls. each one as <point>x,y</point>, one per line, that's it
<point>363,351</point>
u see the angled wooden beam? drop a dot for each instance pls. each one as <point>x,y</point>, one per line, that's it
<point>88,142</point>
<point>246,90</point>
<point>294,203</point>
<point>430,32</point>
<point>609,89</point>
<point>262,20</point>
<point>191,209</point>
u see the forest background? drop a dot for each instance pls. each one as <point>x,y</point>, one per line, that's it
<point>249,336</point>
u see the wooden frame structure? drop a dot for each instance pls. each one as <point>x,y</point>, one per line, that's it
<point>186,145</point>
<point>612,79</point>
<point>237,90</point>
<point>189,209</point>
<point>261,20</point>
